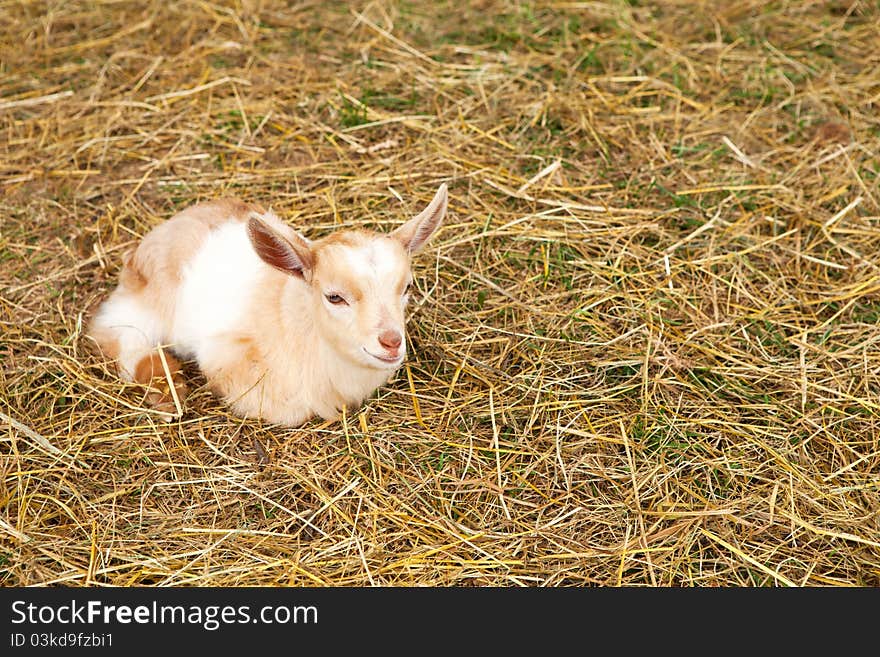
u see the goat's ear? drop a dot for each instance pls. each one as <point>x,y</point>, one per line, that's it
<point>293,257</point>
<point>415,232</point>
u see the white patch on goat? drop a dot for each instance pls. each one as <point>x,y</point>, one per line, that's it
<point>138,329</point>
<point>377,262</point>
<point>216,289</point>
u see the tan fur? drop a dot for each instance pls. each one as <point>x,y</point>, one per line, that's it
<point>291,354</point>
<point>150,373</point>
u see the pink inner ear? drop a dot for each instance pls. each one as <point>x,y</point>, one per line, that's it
<point>423,233</point>
<point>418,230</point>
<point>276,250</point>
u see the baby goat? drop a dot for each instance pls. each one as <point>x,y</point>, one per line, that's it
<point>283,328</point>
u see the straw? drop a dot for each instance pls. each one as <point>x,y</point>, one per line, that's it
<point>643,349</point>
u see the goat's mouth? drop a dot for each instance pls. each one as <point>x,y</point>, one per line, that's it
<point>386,359</point>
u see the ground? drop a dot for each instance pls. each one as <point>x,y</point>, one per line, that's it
<point>644,347</point>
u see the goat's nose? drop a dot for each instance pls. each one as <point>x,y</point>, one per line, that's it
<point>390,339</point>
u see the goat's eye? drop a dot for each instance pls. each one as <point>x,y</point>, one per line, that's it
<point>335,299</point>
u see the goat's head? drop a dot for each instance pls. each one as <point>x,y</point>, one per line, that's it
<point>359,281</point>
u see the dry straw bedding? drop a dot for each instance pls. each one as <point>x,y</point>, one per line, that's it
<point>645,347</point>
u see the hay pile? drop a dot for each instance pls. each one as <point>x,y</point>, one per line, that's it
<point>645,346</point>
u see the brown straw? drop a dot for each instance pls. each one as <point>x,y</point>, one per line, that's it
<point>644,348</point>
